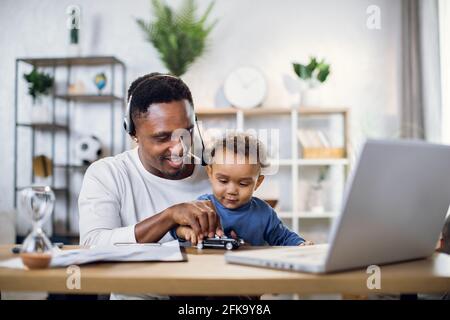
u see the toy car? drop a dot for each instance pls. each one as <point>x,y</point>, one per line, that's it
<point>220,243</point>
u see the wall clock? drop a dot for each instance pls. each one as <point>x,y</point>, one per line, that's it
<point>245,87</point>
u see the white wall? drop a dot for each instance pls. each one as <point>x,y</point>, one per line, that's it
<point>268,34</point>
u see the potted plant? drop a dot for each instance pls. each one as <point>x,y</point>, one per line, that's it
<point>312,75</point>
<point>39,85</point>
<point>179,36</point>
<point>316,192</point>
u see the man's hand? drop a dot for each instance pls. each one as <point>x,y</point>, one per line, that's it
<point>200,216</point>
<point>306,243</point>
<point>187,234</point>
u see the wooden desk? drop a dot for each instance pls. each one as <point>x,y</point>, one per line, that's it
<point>206,273</point>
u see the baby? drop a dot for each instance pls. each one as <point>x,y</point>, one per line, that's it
<point>234,171</point>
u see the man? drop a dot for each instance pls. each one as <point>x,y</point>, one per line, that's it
<point>141,194</point>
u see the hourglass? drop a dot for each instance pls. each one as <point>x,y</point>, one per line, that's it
<point>38,201</point>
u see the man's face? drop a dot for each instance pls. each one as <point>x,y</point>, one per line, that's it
<point>159,152</point>
<point>233,181</point>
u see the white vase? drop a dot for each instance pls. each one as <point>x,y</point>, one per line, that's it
<point>41,111</point>
<point>316,198</point>
<point>310,97</point>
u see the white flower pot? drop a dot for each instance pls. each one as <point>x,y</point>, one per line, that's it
<point>310,97</point>
<point>310,93</point>
<point>316,199</point>
<point>41,111</point>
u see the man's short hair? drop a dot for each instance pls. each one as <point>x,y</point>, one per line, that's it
<point>241,144</point>
<point>156,88</point>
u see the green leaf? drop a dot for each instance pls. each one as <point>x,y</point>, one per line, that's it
<point>324,71</point>
<point>302,71</point>
<point>39,83</point>
<point>314,69</point>
<point>312,65</point>
<point>178,35</point>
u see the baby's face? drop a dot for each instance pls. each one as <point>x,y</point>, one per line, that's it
<point>233,184</point>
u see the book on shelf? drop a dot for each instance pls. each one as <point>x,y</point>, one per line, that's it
<point>316,145</point>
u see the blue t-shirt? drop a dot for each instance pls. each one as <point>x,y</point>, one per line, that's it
<point>255,222</point>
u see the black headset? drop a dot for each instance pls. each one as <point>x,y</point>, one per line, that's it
<point>130,128</point>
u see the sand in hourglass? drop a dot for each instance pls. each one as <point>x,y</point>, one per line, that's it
<point>36,260</point>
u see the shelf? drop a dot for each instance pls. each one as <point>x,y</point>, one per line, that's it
<point>282,162</point>
<point>215,111</point>
<point>315,215</point>
<point>72,61</point>
<point>202,111</point>
<point>71,166</point>
<point>58,189</point>
<point>311,162</point>
<point>322,162</point>
<point>93,98</point>
<point>45,126</point>
<point>307,215</point>
<point>267,111</point>
<point>317,111</point>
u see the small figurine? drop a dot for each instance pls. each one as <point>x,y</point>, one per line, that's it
<point>100,82</point>
<point>221,243</point>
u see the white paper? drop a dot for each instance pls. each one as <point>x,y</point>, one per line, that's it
<point>14,263</point>
<point>169,251</point>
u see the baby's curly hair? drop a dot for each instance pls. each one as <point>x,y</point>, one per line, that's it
<point>241,144</point>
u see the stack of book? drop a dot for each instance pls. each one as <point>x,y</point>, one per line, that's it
<point>316,145</point>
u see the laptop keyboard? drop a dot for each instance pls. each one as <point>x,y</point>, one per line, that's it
<point>309,255</point>
<point>315,255</point>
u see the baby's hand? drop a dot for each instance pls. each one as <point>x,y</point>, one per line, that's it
<point>187,234</point>
<point>306,243</point>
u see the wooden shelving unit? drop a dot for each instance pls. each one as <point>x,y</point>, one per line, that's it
<point>204,111</point>
<point>73,61</point>
<point>45,126</point>
<point>90,98</point>
<point>295,162</point>
<point>53,128</point>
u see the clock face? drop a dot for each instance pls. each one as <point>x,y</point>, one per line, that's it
<point>245,87</point>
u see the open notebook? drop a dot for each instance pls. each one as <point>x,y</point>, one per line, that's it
<point>169,251</point>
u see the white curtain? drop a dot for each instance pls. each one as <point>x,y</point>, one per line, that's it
<point>421,86</point>
<point>431,75</point>
<point>444,31</point>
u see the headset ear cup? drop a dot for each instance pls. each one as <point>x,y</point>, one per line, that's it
<point>127,121</point>
<point>128,126</point>
<point>125,124</point>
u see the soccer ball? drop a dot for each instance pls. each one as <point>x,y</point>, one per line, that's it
<point>88,149</point>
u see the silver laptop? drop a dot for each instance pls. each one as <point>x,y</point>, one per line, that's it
<point>394,208</point>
